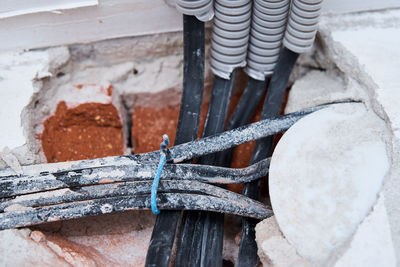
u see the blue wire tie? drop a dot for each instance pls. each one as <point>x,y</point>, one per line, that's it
<point>156,180</point>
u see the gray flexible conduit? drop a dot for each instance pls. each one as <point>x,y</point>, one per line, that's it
<point>242,32</point>
<point>273,22</point>
<point>230,36</point>
<point>267,30</point>
<point>202,9</point>
<point>302,25</point>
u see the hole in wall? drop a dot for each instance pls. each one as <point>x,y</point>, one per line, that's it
<point>150,115</point>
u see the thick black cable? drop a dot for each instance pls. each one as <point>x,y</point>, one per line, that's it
<point>164,231</point>
<point>214,223</point>
<point>195,247</point>
<point>18,186</point>
<point>271,108</point>
<point>243,112</point>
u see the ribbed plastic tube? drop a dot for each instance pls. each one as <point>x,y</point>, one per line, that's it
<point>230,36</point>
<point>267,31</point>
<point>202,9</point>
<point>302,25</point>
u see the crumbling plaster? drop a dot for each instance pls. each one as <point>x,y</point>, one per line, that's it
<point>355,58</point>
<point>365,47</point>
<point>33,82</point>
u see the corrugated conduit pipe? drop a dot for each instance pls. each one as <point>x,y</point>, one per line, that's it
<point>267,30</point>
<point>302,25</point>
<point>230,36</point>
<point>202,9</point>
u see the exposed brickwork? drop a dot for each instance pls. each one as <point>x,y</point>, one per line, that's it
<point>150,123</point>
<point>90,130</point>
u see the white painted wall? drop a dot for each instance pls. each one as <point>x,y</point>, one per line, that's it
<point>12,8</point>
<point>109,19</point>
<point>26,24</point>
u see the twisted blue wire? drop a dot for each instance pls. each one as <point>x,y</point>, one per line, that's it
<point>156,180</point>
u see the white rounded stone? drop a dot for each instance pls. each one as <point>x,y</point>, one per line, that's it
<point>325,174</point>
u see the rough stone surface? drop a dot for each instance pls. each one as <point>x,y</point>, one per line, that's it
<point>322,187</point>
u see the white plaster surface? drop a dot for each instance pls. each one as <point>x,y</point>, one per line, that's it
<point>365,46</point>
<point>319,87</point>
<point>11,160</point>
<point>18,8</point>
<point>345,6</point>
<point>370,246</point>
<point>322,187</point>
<point>373,40</point>
<point>377,50</point>
<point>273,248</point>
<point>156,75</point>
<point>17,73</point>
<point>74,96</point>
<point>372,243</point>
<point>107,20</point>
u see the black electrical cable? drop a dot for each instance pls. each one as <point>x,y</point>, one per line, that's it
<point>247,104</point>
<point>198,228</point>
<point>120,189</point>
<point>212,239</point>
<point>163,235</point>
<point>17,186</point>
<point>107,198</point>
<point>243,112</point>
<point>271,108</point>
